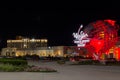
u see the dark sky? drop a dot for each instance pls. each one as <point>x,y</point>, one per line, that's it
<point>55,24</point>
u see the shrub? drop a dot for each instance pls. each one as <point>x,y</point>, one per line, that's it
<point>10,68</point>
<point>96,62</point>
<point>87,62</point>
<point>61,61</point>
<point>13,61</point>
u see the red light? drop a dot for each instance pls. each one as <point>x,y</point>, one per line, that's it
<point>112,22</point>
<point>103,36</point>
<point>97,44</point>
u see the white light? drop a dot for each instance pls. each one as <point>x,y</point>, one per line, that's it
<point>81,38</point>
<point>25,45</point>
<point>81,26</point>
<point>33,39</point>
<point>49,47</point>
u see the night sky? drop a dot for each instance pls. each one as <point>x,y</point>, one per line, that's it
<point>55,24</point>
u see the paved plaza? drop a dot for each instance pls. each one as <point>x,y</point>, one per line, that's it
<point>66,72</point>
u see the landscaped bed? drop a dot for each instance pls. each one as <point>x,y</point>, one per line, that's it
<point>15,65</point>
<point>96,62</point>
<point>13,68</point>
<point>39,69</point>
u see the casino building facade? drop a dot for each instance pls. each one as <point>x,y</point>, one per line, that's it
<point>26,46</point>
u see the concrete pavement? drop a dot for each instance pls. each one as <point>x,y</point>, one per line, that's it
<point>66,72</point>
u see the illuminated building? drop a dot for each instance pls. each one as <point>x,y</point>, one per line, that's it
<point>27,43</point>
<point>8,52</point>
<point>25,46</point>
<point>99,38</point>
<point>55,51</point>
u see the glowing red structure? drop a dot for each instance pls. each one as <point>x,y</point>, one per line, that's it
<point>103,35</point>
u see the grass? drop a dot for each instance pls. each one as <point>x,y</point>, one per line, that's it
<point>11,68</point>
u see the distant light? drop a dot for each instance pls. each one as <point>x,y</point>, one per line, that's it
<point>49,47</point>
<point>25,45</point>
<point>33,39</point>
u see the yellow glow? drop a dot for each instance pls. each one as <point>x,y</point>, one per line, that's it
<point>28,40</point>
<point>59,53</point>
<point>42,40</point>
<point>9,41</point>
<point>101,34</point>
<point>45,40</point>
<point>116,55</point>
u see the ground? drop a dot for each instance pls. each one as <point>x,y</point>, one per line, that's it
<point>66,72</point>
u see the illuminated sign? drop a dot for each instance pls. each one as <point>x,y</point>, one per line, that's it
<point>81,38</point>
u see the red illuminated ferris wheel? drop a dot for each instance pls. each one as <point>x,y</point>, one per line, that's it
<point>98,37</point>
